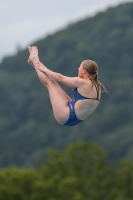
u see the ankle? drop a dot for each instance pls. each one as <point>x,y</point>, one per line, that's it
<point>34,59</point>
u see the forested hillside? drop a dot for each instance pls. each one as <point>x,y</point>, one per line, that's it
<point>78,172</point>
<point>27,125</point>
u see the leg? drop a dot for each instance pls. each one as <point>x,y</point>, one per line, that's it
<point>59,99</point>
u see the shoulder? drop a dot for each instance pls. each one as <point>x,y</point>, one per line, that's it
<point>86,85</point>
<point>81,82</point>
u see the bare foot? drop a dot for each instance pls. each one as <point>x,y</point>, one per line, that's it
<point>33,58</point>
<point>29,62</point>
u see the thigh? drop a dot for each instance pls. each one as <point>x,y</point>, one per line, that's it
<point>58,97</point>
<point>59,100</point>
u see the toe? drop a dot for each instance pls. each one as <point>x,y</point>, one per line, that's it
<point>29,49</point>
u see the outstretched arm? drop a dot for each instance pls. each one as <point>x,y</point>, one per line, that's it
<point>67,81</point>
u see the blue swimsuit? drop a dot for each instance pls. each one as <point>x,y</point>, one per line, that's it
<point>73,120</point>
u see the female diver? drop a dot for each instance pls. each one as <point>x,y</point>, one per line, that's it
<point>87,90</point>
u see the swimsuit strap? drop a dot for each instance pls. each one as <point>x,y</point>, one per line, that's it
<point>80,97</point>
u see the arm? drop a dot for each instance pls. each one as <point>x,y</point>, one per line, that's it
<point>65,80</point>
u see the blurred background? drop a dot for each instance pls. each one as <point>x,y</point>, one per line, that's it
<point>40,159</point>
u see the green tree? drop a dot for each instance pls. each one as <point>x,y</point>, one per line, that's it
<point>16,184</point>
<point>124,180</point>
<point>78,172</point>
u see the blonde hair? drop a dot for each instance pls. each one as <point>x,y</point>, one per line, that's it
<point>92,68</point>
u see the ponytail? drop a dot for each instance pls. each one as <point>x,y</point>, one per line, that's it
<point>94,79</point>
<point>92,68</point>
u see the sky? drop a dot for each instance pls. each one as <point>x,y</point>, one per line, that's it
<point>24,22</point>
